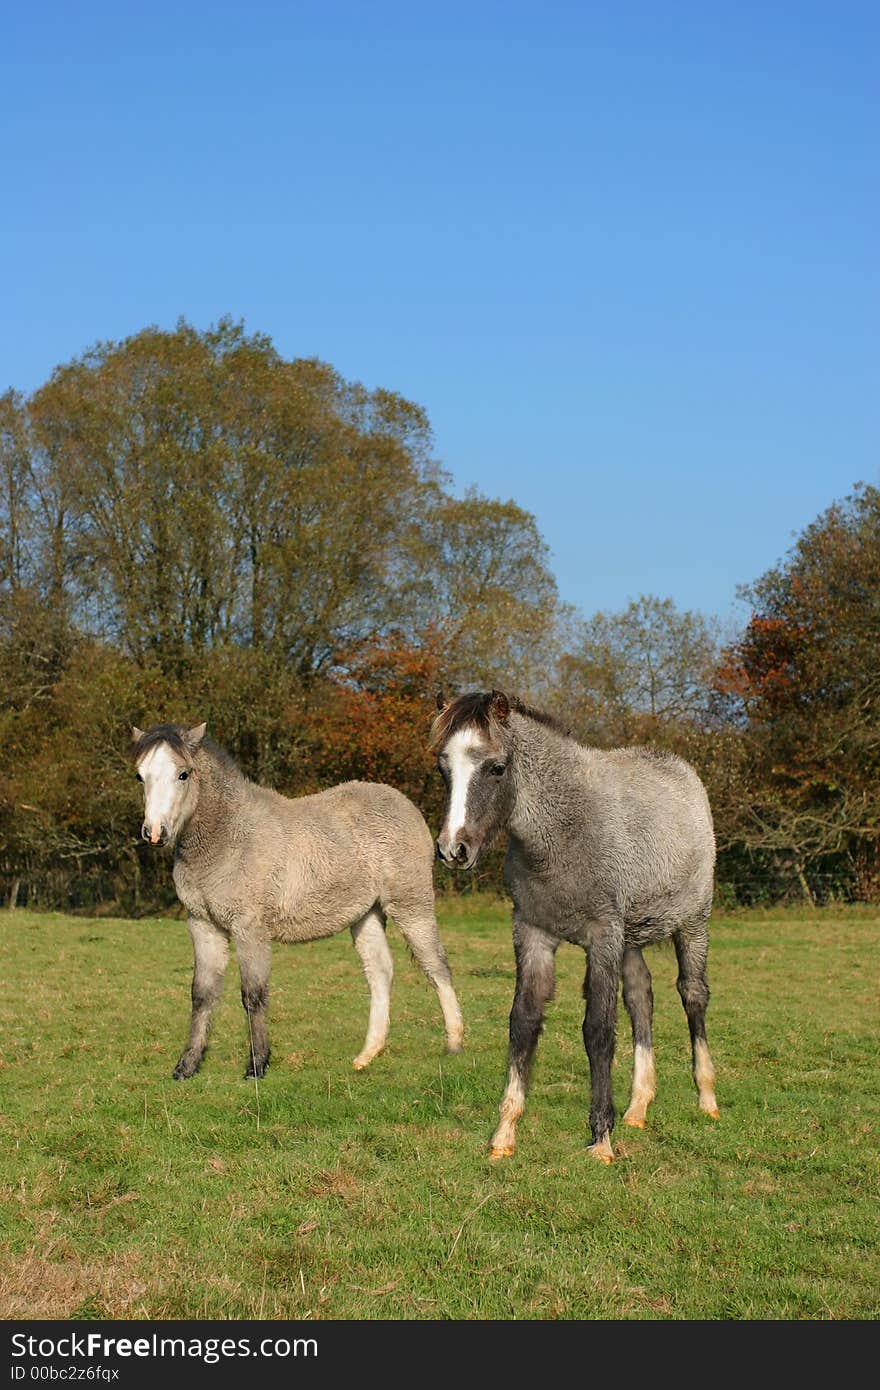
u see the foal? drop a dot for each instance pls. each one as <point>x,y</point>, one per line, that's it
<point>252,866</point>
<point>610,850</point>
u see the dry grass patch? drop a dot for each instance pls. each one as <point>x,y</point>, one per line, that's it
<point>34,1287</point>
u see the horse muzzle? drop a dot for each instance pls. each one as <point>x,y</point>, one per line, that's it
<point>458,853</point>
<point>155,834</point>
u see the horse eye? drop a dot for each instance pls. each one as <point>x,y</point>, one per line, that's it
<point>183,776</point>
<point>498,769</point>
<point>138,776</point>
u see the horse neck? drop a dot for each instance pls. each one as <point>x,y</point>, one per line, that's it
<point>548,777</point>
<point>219,797</point>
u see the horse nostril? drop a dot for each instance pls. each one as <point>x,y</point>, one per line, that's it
<point>145,831</point>
<point>453,851</point>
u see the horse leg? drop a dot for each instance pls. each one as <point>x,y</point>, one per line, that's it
<point>639,1000</point>
<point>535,952</point>
<point>600,1021</point>
<point>254,963</point>
<point>211,952</point>
<point>692,948</point>
<point>371,945</point>
<point>421,935</point>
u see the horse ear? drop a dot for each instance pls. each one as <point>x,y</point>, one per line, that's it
<point>195,736</point>
<point>441,703</point>
<point>136,734</point>
<point>499,706</point>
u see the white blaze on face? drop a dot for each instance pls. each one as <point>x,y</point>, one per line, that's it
<point>162,789</point>
<point>461,769</point>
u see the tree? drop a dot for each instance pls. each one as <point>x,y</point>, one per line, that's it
<point>16,519</point>
<point>193,527</point>
<point>804,681</point>
<point>477,578</point>
<point>187,489</point>
<point>221,493</point>
<point>635,673</point>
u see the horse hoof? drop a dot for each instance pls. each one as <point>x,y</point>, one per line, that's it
<point>506,1152</point>
<point>361,1063</point>
<point>453,1047</point>
<point>713,1114</point>
<point>634,1121</point>
<point>602,1151</point>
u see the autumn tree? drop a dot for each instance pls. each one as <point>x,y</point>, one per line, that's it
<point>193,527</point>
<point>185,490</point>
<point>216,492</point>
<point>805,683</point>
<point>16,518</point>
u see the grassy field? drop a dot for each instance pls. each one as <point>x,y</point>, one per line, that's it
<point>331,1194</point>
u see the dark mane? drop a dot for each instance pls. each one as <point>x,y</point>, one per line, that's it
<point>541,716</point>
<point>172,734</point>
<point>477,710</point>
<point>175,736</point>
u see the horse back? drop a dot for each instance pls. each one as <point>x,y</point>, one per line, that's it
<point>326,859</point>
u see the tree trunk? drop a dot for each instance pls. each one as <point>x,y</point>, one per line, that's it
<point>805,887</point>
<point>13,894</point>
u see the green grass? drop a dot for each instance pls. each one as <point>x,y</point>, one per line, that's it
<point>328,1193</point>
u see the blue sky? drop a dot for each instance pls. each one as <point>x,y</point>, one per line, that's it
<point>624,254</point>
